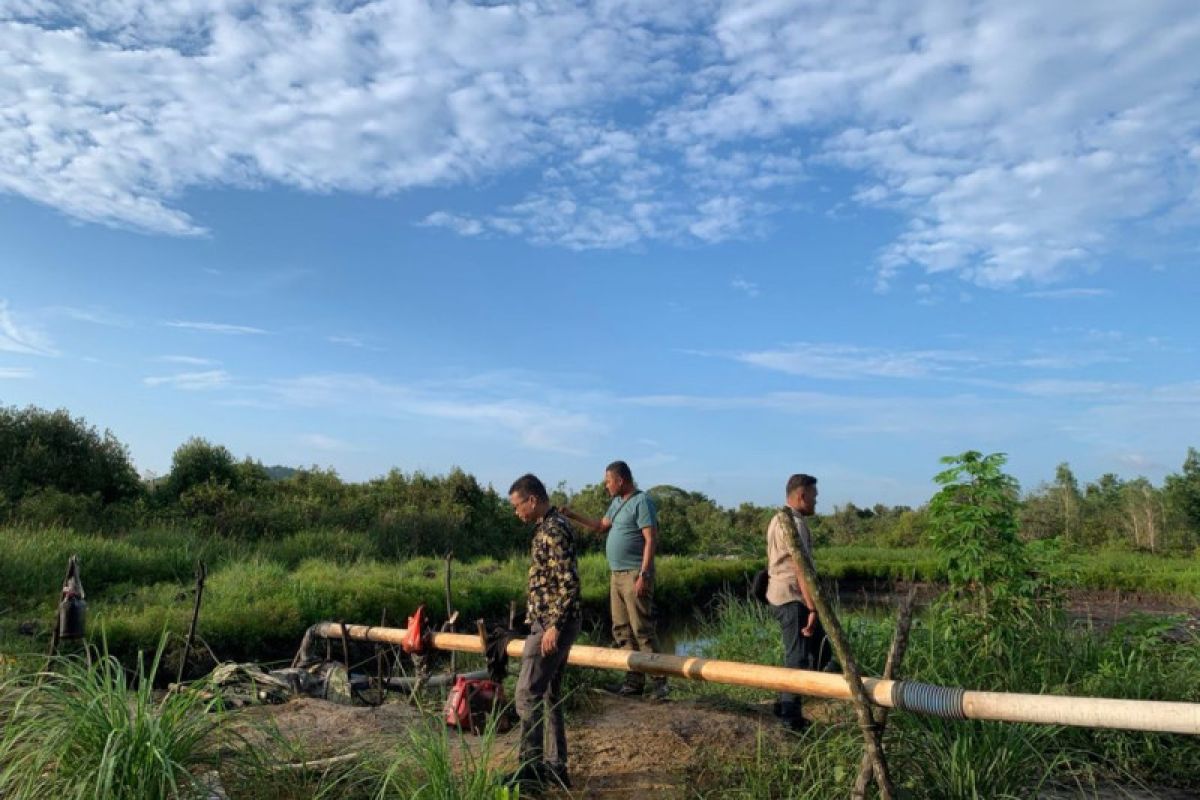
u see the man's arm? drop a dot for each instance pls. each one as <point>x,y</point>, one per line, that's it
<point>597,525</point>
<point>566,587</point>
<point>649,545</point>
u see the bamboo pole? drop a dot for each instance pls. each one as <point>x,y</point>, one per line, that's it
<point>872,740</point>
<point>1089,712</point>
<point>894,657</point>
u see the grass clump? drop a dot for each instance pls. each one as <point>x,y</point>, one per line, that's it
<point>89,732</point>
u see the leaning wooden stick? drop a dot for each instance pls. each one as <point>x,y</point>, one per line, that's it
<point>841,647</point>
<point>201,574</point>
<point>894,657</point>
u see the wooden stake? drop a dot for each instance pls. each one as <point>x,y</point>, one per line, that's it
<point>894,657</point>
<point>841,647</point>
<point>201,574</point>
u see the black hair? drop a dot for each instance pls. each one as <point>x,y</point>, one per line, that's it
<point>621,470</point>
<point>529,485</point>
<point>799,481</point>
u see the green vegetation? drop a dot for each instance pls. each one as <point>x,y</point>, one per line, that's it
<point>85,731</point>
<point>56,471</point>
<point>1144,658</point>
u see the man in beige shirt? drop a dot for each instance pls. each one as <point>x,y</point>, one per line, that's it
<point>804,643</point>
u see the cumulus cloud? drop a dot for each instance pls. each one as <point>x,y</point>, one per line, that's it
<point>1016,142</point>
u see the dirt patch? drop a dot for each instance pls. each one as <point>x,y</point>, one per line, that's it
<point>619,748</point>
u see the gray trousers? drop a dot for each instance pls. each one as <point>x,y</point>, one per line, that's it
<point>539,684</point>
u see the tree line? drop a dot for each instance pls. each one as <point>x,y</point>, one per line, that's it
<point>56,469</point>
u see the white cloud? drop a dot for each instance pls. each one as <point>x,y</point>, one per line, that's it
<point>1072,293</point>
<point>15,373</point>
<point>218,327</point>
<point>907,416</point>
<point>112,110</point>
<point>192,361</point>
<point>192,381</point>
<point>536,423</point>
<point>463,226</point>
<point>841,361</point>
<point>743,285</point>
<point>95,316</point>
<point>1017,142</point>
<point>18,337</point>
<point>1074,388</point>
<point>331,444</point>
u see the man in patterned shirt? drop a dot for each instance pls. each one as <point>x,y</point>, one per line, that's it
<point>804,643</point>
<point>554,618</point>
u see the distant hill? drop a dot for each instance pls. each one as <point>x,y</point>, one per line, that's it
<point>278,472</point>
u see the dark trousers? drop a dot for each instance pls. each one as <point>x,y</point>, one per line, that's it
<point>799,651</point>
<point>539,684</point>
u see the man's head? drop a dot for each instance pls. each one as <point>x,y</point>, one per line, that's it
<point>528,497</point>
<point>618,479</point>
<point>802,494</point>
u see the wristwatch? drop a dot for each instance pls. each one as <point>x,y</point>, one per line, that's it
<point>645,574</point>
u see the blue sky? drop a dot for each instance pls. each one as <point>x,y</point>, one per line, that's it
<point>722,241</point>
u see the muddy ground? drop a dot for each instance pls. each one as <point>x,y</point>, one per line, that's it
<point>619,748</point>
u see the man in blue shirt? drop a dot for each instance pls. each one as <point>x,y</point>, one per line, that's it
<point>631,523</point>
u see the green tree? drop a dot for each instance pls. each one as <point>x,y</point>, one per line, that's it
<point>51,451</point>
<point>1183,498</point>
<point>197,462</point>
<point>1067,499</point>
<point>973,525</point>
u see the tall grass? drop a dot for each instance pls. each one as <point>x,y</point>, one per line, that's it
<point>433,763</point>
<point>1142,658</point>
<point>87,732</point>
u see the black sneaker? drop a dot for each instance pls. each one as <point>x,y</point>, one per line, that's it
<point>624,690</point>
<point>659,691</point>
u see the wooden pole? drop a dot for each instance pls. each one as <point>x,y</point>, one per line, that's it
<point>894,657</point>
<point>201,574</point>
<point>1088,712</point>
<point>872,741</point>
<point>449,607</point>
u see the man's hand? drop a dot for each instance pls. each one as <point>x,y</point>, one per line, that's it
<point>641,586</point>
<point>566,511</point>
<point>550,641</point>
<point>811,627</point>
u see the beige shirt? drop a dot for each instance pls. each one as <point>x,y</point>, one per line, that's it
<point>783,584</point>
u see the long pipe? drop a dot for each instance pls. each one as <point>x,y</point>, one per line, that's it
<point>1087,712</point>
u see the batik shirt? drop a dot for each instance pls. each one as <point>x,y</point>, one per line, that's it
<point>553,573</point>
<point>784,547</point>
